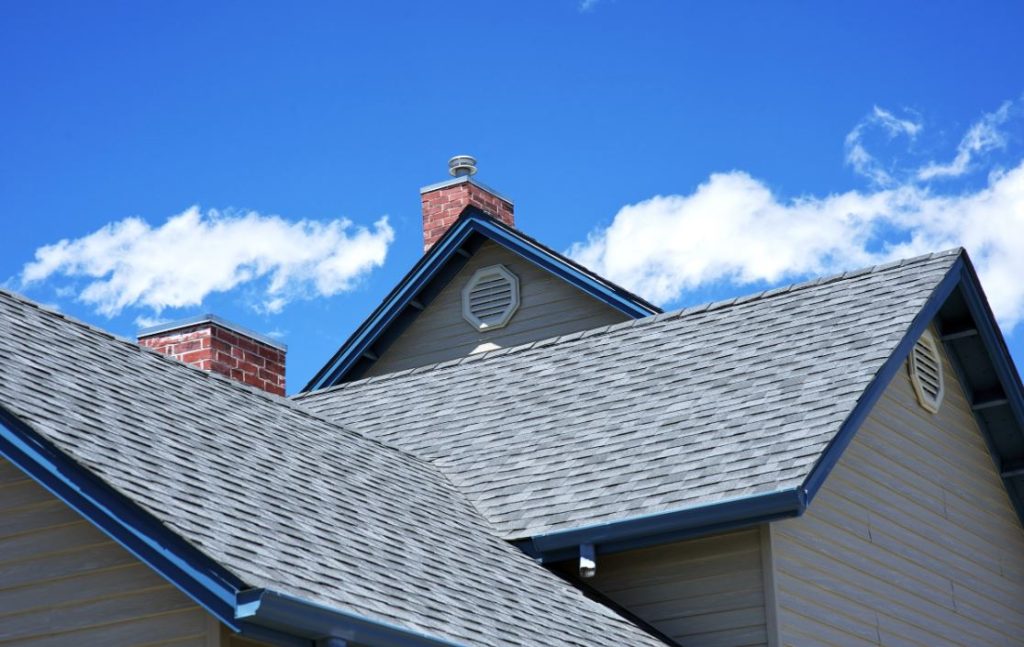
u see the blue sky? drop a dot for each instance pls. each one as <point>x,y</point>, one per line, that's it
<point>690,150</point>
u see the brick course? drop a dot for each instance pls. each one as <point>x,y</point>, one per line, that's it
<point>211,347</point>
<point>442,206</point>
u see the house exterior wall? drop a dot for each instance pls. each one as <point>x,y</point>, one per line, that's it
<point>911,540</point>
<point>548,307</point>
<point>230,639</point>
<point>700,592</point>
<point>64,582</point>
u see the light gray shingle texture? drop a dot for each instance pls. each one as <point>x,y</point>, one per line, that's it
<point>281,498</point>
<point>669,412</point>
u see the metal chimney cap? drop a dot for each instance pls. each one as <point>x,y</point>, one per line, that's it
<point>461,165</point>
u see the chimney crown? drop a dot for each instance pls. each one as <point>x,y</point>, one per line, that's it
<point>210,343</point>
<point>444,201</point>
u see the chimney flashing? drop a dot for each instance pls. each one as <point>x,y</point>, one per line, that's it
<point>465,179</point>
<point>172,326</point>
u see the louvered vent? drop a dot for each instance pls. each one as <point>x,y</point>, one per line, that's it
<point>490,298</point>
<point>926,372</point>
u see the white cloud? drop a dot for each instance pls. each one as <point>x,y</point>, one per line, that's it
<point>143,321</point>
<point>193,254</point>
<point>983,136</point>
<point>857,155</point>
<point>733,229</point>
<point>277,333</point>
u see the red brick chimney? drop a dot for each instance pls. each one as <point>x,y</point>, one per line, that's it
<point>212,344</point>
<point>443,202</point>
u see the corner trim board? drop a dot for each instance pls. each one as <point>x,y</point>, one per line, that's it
<point>771,592</point>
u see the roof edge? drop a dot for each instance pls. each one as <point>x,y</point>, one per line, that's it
<point>665,527</point>
<point>184,566</point>
<point>294,616</point>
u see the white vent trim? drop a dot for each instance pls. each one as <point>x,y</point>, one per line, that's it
<point>490,298</point>
<point>925,366</point>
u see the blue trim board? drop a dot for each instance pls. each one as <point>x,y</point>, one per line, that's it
<point>471,223</point>
<point>878,384</point>
<point>665,527</point>
<point>291,615</point>
<point>143,536</point>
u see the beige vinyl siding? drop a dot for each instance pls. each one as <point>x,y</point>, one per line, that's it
<point>912,540</point>
<point>548,307</point>
<point>702,592</point>
<point>229,639</point>
<point>64,582</point>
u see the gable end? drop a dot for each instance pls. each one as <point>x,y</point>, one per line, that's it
<point>433,273</point>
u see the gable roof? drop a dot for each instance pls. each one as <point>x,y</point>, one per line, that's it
<point>690,421</point>
<point>272,518</point>
<point>436,268</point>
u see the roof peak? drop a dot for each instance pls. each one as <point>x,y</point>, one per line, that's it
<point>452,250</point>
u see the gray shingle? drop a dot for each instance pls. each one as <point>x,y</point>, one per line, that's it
<point>665,413</point>
<point>284,499</point>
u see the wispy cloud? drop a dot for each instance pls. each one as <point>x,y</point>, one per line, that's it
<point>131,264</point>
<point>587,5</point>
<point>857,155</point>
<point>983,136</point>
<point>277,333</point>
<point>144,321</point>
<point>733,229</point>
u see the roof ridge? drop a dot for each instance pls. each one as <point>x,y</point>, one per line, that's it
<point>197,372</point>
<point>649,320</point>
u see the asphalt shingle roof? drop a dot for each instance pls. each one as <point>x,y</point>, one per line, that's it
<point>664,413</point>
<point>281,498</point>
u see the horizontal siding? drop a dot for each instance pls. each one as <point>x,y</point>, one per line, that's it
<point>702,592</point>
<point>229,639</point>
<point>912,540</point>
<point>548,307</point>
<point>64,582</point>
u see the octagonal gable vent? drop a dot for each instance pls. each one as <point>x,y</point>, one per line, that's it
<point>490,298</point>
<point>926,372</point>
